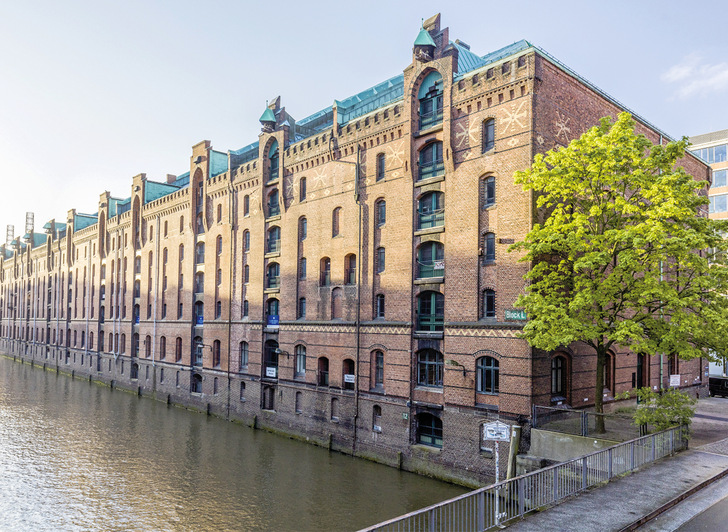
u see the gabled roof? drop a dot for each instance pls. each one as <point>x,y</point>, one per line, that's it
<point>424,38</point>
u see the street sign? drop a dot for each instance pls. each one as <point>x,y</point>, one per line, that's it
<point>496,431</point>
<point>516,314</point>
<point>674,380</point>
<point>349,378</point>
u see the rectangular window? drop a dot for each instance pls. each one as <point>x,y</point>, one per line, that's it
<point>380,260</point>
<point>719,178</point>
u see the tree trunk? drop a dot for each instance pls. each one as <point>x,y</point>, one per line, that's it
<point>599,390</point>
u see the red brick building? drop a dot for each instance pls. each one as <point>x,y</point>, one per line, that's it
<point>345,279</point>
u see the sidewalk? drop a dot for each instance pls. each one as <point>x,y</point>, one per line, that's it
<point>621,502</point>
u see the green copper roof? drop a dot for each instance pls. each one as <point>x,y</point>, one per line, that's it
<point>267,116</point>
<point>424,38</point>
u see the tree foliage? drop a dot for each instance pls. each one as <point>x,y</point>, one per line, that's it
<point>663,410</point>
<point>624,253</point>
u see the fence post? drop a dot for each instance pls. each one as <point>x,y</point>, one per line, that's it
<point>556,483</point>
<point>481,511</point>
<point>431,520</point>
<point>584,423</point>
<point>653,448</point>
<point>521,497</point>
<point>584,473</point>
<point>534,417</point>
<point>672,441</point>
<point>631,456</point>
<point>609,464</point>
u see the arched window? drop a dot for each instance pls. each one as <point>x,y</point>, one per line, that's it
<point>325,272</point>
<point>216,353</point>
<point>431,162</point>
<point>377,418</point>
<point>430,260</point>
<point>274,239</point>
<point>489,303</point>
<point>218,309</point>
<point>181,252</point>
<point>178,349</point>
<point>379,307</point>
<point>380,166</point>
<point>218,245</point>
<point>273,157</point>
<point>302,189</point>
<point>219,213</point>
<point>274,208</point>
<point>199,223</point>
<point>197,354</point>
<point>137,288</point>
<point>135,345</point>
<point>270,359</point>
<point>430,97</point>
<point>246,274</point>
<point>242,391</point>
<point>243,356</point>
<point>334,409</point>
<point>199,282</point>
<point>181,224</point>
<point>488,135</point>
<point>199,313</point>
<point>200,253</point>
<point>148,346</point>
<point>219,276</point>
<point>196,384</point>
<point>273,279</point>
<point>302,268</point>
<point>300,368</point>
<point>335,221</point>
<point>430,365</point>
<point>430,311</point>
<point>336,304</point>
<point>378,369</point>
<point>558,376</point>
<point>381,259</point>
<point>488,191</point>
<point>246,205</point>
<point>431,210</point>
<point>381,212</point>
<point>429,430</point>
<point>134,371</point>
<point>348,376</point>
<point>302,228</point>
<point>162,347</point>
<point>301,308</point>
<point>673,367</point>
<point>350,269</point>
<point>246,241</point>
<point>298,403</point>
<point>487,369</point>
<point>323,371</point>
<point>489,251</point>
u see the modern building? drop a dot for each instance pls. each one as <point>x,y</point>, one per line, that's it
<point>345,278</point>
<point>713,149</point>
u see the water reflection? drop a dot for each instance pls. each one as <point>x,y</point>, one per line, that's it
<point>78,456</point>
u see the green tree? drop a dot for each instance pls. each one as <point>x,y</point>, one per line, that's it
<point>623,254</point>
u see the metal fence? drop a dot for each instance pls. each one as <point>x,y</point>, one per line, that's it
<point>488,507</point>
<point>583,423</point>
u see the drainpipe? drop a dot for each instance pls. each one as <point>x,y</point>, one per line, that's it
<point>231,269</point>
<point>154,306</point>
<point>88,298</point>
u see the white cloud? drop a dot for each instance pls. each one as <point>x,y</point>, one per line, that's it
<point>694,77</point>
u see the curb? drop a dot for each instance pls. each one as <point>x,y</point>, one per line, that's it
<point>673,502</point>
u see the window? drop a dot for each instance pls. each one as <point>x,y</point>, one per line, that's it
<point>381,210</point>
<point>334,409</point>
<point>274,208</point>
<point>165,228</point>
<point>301,308</point>
<point>273,279</point>
<point>199,282</point>
<point>608,373</point>
<point>719,178</point>
<point>715,154</point>
<point>302,268</point>
<point>431,210</point>
<point>246,274</point>
<point>489,251</point>
<point>429,368</point>
<point>430,311</point>
<point>243,356</point>
<point>378,366</point>
<point>377,418</point>
<point>270,359</point>
<point>379,310</point>
<point>323,371</point>
<point>380,166</point>
<point>216,353</point>
<point>381,259</point>
<point>430,98</point>
<point>430,260</point>
<point>302,189</point>
<point>488,135</point>
<point>218,310</point>
<point>162,348</point>
<point>335,221</point>
<point>300,369</point>
<point>558,376</point>
<point>134,371</point>
<point>246,205</point>
<point>246,241</point>
<point>486,369</point>
<point>271,310</point>
<point>197,354</point>
<point>245,308</point>
<point>488,191</point>
<point>200,253</point>
<point>178,349</point>
<point>274,240</point>
<point>148,346</point>
<point>489,303</point>
<point>325,272</point>
<point>242,391</point>
<point>199,223</point>
<point>218,245</point>
<point>429,430</point>
<point>199,313</point>
<point>302,229</point>
<point>431,163</point>
<point>219,276</point>
<point>196,384</point>
<point>219,213</point>
<point>273,158</point>
<point>348,376</point>
<point>181,224</point>
<point>673,367</point>
<point>505,67</point>
<point>336,303</point>
<point>350,269</point>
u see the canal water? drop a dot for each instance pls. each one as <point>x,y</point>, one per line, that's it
<point>79,456</point>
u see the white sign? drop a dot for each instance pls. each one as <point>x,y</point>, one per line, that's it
<point>350,378</point>
<point>271,372</point>
<point>674,380</point>
<point>496,431</point>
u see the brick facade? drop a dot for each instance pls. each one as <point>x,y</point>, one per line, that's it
<point>178,322</point>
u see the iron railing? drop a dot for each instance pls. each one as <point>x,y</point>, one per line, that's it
<point>583,423</point>
<point>486,508</point>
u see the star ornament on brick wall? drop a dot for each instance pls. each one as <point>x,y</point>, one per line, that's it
<point>516,115</point>
<point>396,153</point>
<point>562,126</point>
<point>462,135</point>
<point>319,178</point>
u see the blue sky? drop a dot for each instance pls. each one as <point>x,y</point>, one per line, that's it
<point>95,92</point>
